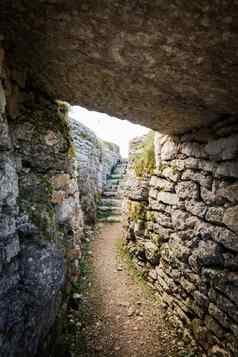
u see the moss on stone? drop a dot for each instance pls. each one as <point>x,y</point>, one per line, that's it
<point>162,166</point>
<point>150,216</point>
<point>174,168</point>
<point>156,239</point>
<point>48,187</point>
<point>98,197</point>
<point>71,151</point>
<point>144,162</point>
<point>111,146</point>
<point>85,136</point>
<point>63,107</point>
<point>136,210</point>
<point>99,145</point>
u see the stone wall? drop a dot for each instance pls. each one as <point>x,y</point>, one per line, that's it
<point>41,219</point>
<point>182,233</point>
<point>96,159</point>
<point>44,205</point>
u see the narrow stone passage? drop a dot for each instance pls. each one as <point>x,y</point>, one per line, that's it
<point>120,319</point>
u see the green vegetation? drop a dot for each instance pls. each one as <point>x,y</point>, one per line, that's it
<point>140,276</point>
<point>150,216</point>
<point>144,162</point>
<point>162,166</point>
<point>111,146</point>
<point>156,239</point>
<point>174,168</point>
<point>85,269</point>
<point>99,146</point>
<point>63,107</point>
<point>98,197</point>
<point>46,187</point>
<point>71,151</point>
<point>187,354</point>
<point>136,210</point>
<point>106,214</point>
<point>86,136</point>
<point>62,121</point>
<point>72,335</point>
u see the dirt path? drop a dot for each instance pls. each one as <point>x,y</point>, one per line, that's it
<point>119,320</point>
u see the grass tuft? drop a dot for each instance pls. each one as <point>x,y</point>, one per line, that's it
<point>138,276</point>
<point>144,162</point>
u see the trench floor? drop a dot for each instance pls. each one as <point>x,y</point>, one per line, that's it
<point>116,315</point>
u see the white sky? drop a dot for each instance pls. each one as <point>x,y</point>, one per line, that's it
<point>109,128</point>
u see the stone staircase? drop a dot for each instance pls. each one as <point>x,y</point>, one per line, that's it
<point>109,208</point>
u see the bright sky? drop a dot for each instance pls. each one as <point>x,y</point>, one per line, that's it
<point>109,128</point>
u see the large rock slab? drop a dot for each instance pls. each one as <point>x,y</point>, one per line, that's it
<point>168,65</point>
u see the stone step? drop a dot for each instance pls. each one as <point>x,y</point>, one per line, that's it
<point>112,182</point>
<point>121,171</point>
<point>111,189</point>
<point>109,209</point>
<point>110,202</point>
<point>110,219</point>
<point>107,187</point>
<point>109,194</point>
<point>116,177</point>
<point>119,168</point>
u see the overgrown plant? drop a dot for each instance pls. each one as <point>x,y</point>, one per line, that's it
<point>144,161</point>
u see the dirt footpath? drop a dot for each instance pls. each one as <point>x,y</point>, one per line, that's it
<point>117,318</point>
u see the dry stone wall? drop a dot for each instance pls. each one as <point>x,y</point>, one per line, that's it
<point>182,233</point>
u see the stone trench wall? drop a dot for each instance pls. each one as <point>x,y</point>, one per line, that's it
<point>43,215</point>
<point>40,215</point>
<point>96,158</point>
<point>41,221</point>
<point>182,232</point>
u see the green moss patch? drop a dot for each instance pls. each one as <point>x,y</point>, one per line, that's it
<point>136,210</point>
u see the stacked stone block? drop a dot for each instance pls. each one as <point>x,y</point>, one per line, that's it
<point>184,235</point>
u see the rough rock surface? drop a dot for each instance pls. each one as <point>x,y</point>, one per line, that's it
<point>168,65</point>
<point>183,235</point>
<point>41,217</point>
<point>41,220</point>
<point>96,159</point>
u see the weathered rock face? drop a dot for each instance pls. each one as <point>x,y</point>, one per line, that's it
<point>40,216</point>
<point>181,229</point>
<point>168,65</point>
<point>96,160</point>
